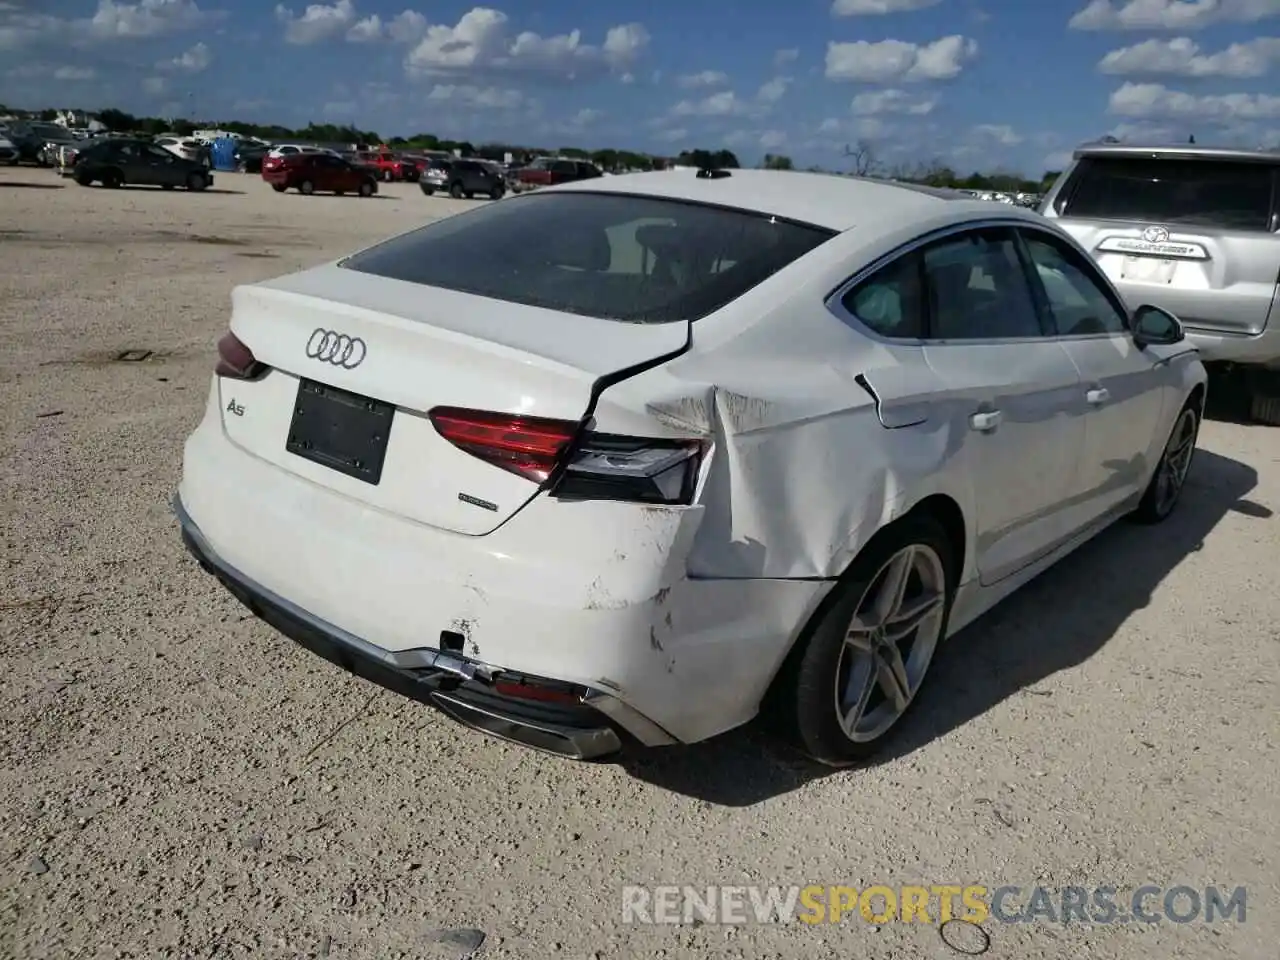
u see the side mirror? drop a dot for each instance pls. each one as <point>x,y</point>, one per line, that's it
<point>1155,327</point>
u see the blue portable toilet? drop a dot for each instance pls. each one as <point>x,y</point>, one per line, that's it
<point>224,153</point>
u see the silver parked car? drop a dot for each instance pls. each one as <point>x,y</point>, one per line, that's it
<point>1193,230</point>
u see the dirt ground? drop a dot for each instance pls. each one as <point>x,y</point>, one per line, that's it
<point>176,780</point>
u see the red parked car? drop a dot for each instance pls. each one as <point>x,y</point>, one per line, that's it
<point>391,166</point>
<point>309,172</point>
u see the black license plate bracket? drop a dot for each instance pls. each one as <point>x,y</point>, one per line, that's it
<point>340,430</point>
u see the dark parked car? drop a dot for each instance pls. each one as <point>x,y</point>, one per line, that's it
<point>461,178</point>
<point>249,156</point>
<point>309,172</point>
<point>114,163</point>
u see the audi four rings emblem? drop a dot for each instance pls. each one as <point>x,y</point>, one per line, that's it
<point>1155,234</point>
<point>336,348</point>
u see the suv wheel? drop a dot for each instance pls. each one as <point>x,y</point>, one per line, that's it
<point>307,187</point>
<point>367,188</point>
<point>455,191</point>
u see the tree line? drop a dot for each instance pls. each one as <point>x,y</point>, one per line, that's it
<point>860,159</point>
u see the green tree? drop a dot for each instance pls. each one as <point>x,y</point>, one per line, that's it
<point>776,161</point>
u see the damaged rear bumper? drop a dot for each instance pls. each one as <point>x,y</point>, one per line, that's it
<point>596,725</point>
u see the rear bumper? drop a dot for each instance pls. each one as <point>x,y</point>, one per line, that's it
<point>1260,350</point>
<point>595,727</point>
<point>590,595</point>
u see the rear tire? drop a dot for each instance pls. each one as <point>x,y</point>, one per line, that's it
<point>279,187</point>
<point>455,191</point>
<point>197,182</point>
<point>83,180</point>
<point>496,193</point>
<point>427,192</point>
<point>1170,476</point>
<point>832,693</point>
<point>113,179</point>
<point>367,188</point>
<point>306,188</point>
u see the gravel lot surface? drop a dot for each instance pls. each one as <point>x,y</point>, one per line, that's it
<point>176,780</point>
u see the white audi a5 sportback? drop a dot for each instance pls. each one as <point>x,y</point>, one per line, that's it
<point>625,459</point>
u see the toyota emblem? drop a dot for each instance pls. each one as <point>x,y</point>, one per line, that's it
<point>1155,235</point>
<point>336,348</point>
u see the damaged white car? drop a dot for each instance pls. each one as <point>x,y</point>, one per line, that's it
<point>623,460</point>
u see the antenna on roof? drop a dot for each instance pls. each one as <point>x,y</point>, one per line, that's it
<point>712,173</point>
<point>1193,139</point>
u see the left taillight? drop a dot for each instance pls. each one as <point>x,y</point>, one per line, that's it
<point>577,464</point>
<point>236,361</point>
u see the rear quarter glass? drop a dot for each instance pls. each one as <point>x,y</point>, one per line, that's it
<point>617,257</point>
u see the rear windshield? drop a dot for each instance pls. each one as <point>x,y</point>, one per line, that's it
<point>1196,192</point>
<point>628,258</point>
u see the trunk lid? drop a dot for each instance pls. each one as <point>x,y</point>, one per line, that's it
<point>419,348</point>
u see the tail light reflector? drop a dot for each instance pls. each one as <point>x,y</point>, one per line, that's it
<point>235,360</point>
<point>590,466</point>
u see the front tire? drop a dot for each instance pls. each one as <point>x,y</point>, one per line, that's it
<point>197,182</point>
<point>496,193</point>
<point>306,188</point>
<point>1170,476</point>
<point>279,187</point>
<point>455,191</point>
<point>113,179</point>
<point>366,188</point>
<point>865,655</point>
<point>427,192</point>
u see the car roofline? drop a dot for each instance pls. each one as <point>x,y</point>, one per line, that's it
<point>1184,151</point>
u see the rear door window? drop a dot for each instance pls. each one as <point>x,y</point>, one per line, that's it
<point>626,258</point>
<point>1210,193</point>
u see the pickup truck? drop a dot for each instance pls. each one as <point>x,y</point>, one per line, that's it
<point>549,171</point>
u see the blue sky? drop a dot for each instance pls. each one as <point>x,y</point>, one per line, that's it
<point>986,84</point>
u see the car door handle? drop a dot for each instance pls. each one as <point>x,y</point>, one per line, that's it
<point>1097,396</point>
<point>986,421</point>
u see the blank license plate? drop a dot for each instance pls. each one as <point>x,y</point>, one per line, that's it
<point>340,430</point>
<point>1148,269</point>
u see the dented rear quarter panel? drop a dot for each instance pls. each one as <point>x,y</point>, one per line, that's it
<point>802,470</point>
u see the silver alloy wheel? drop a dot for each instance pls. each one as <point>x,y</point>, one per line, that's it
<point>1171,473</point>
<point>890,642</point>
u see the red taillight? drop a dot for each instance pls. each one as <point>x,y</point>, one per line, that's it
<point>530,447</point>
<point>235,360</point>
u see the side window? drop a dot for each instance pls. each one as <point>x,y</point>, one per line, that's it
<point>1078,304</point>
<point>891,301</point>
<point>565,167</point>
<point>978,289</point>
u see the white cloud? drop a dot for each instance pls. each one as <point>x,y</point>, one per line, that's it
<point>897,60</point>
<point>1154,101</point>
<point>408,26</point>
<point>1001,133</point>
<point>866,8</point>
<point>672,135</point>
<point>1170,14</point>
<point>880,102</point>
<point>317,23</point>
<point>478,98</point>
<point>772,139</point>
<point>723,104</point>
<point>482,40</point>
<point>1183,57</point>
<point>74,73</point>
<point>785,56</point>
<point>110,21</point>
<point>773,90</point>
<point>585,118</point>
<point>195,60</point>
<point>707,78</point>
<point>1057,160</point>
<point>155,85</point>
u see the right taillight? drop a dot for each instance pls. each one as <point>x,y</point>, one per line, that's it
<point>235,360</point>
<point>645,470</point>
<point>576,465</point>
